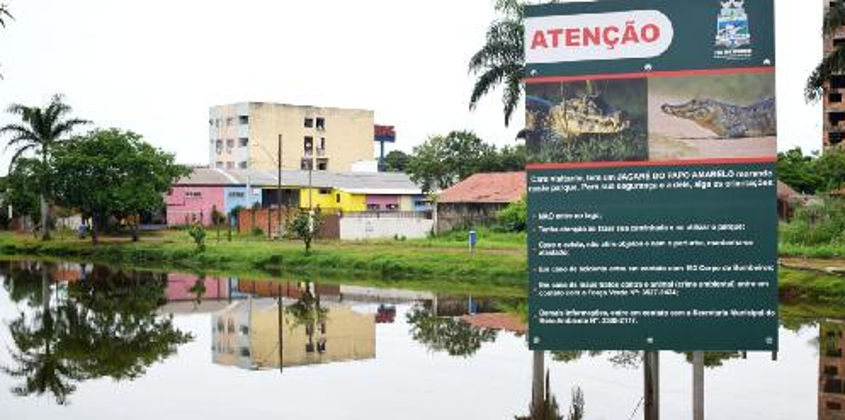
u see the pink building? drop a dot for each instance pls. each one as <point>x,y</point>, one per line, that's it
<point>382,202</point>
<point>179,287</point>
<point>188,203</point>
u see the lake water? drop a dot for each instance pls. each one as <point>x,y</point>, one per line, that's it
<point>90,342</point>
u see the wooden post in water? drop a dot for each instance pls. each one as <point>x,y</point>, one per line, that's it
<point>698,385</point>
<point>651,389</point>
<point>538,393</point>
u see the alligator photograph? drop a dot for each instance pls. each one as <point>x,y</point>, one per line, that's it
<point>586,121</point>
<point>729,121</point>
<point>712,117</point>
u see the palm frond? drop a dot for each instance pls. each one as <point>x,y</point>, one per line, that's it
<point>484,84</point>
<point>20,153</point>
<point>4,13</point>
<point>512,94</point>
<point>67,126</point>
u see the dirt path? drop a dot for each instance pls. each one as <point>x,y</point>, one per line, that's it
<point>676,138</point>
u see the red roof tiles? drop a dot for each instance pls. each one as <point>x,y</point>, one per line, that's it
<point>495,187</point>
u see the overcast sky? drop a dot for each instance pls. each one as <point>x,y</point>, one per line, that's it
<point>155,66</point>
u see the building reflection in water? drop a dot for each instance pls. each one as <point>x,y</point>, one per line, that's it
<point>831,371</point>
<point>247,333</point>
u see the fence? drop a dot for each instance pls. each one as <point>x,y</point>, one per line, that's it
<point>267,220</point>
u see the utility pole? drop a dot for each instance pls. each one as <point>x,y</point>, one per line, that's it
<point>311,191</point>
<point>279,189</point>
<point>651,389</point>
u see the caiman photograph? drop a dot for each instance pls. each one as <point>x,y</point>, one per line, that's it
<point>451,210</point>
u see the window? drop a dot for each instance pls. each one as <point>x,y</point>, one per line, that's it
<point>838,42</point>
<point>219,165</point>
<point>244,329</point>
<point>229,121</point>
<point>309,122</point>
<point>393,207</point>
<point>230,165</point>
<point>321,123</point>
<point>322,164</point>
<point>219,144</point>
<point>242,164</point>
<point>305,164</point>
<point>210,122</point>
<point>193,194</point>
<point>831,370</point>
<point>243,119</point>
<point>833,406</point>
<point>337,198</point>
<point>217,122</point>
<point>834,97</point>
<point>243,142</point>
<point>220,324</point>
<point>834,137</point>
<point>244,351</point>
<point>837,81</point>
<point>373,207</point>
<point>230,143</point>
<point>237,194</point>
<point>324,191</point>
<point>308,144</point>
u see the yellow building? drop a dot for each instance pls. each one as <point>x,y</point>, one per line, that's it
<point>245,136</point>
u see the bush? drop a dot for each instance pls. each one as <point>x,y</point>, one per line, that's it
<point>820,223</point>
<point>197,232</point>
<point>513,217</point>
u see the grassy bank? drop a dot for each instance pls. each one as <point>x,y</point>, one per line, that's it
<point>380,260</point>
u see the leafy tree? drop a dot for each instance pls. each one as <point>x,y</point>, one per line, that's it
<point>397,161</point>
<point>833,63</point>
<point>441,161</point>
<point>447,334</point>
<point>22,186</point>
<point>114,172</point>
<point>40,130</point>
<point>506,159</point>
<point>814,173</point>
<point>305,226</point>
<point>501,61</point>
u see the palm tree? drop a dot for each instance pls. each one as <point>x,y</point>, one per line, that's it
<point>501,61</point>
<point>40,130</point>
<point>832,63</point>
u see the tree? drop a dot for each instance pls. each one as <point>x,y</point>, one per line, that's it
<point>21,188</point>
<point>396,161</point>
<point>501,61</point>
<point>41,130</point>
<point>447,334</point>
<point>832,63</point>
<point>114,172</point>
<point>514,216</point>
<point>814,173</point>
<point>305,226</point>
<point>441,161</point>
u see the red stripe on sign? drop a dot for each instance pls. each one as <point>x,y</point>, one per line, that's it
<point>691,162</point>
<point>645,74</point>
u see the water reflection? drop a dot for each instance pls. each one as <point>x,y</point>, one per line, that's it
<point>101,324</point>
<point>831,368</point>
<point>68,324</point>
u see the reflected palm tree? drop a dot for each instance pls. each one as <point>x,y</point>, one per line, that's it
<point>38,357</point>
<point>307,312</point>
<point>105,326</point>
<point>447,334</point>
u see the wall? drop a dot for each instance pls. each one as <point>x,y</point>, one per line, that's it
<point>348,202</point>
<point>382,201</point>
<point>348,133</point>
<point>329,230</point>
<point>384,226</point>
<point>237,196</point>
<point>458,215</point>
<point>182,209</point>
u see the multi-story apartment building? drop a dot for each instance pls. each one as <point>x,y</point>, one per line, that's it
<point>834,105</point>
<point>245,135</point>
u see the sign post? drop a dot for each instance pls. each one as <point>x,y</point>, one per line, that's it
<point>651,138</point>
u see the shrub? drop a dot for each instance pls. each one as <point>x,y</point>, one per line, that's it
<point>197,232</point>
<point>513,217</point>
<point>817,224</point>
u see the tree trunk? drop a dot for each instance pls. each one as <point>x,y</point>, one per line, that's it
<point>45,218</point>
<point>94,227</point>
<point>134,230</point>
